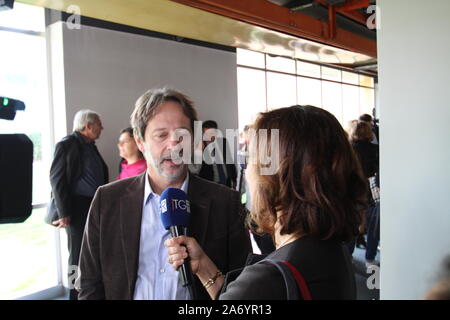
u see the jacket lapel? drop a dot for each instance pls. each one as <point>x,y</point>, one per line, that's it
<point>200,204</point>
<point>131,219</point>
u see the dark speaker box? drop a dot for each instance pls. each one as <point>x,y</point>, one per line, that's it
<point>16,177</point>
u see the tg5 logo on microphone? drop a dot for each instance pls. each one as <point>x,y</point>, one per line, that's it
<point>176,205</point>
<point>164,206</point>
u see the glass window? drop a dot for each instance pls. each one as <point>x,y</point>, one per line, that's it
<point>250,58</point>
<point>331,74</point>
<point>23,17</point>
<point>308,69</point>
<point>309,91</point>
<point>343,93</point>
<point>366,100</point>
<point>28,249</point>
<point>23,76</point>
<point>251,94</point>
<point>350,102</point>
<point>332,99</point>
<point>350,77</point>
<point>366,81</point>
<point>280,64</point>
<point>281,90</point>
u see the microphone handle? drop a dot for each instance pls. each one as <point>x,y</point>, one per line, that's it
<point>185,268</point>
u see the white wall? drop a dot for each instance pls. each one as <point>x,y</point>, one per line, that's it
<point>55,57</point>
<point>108,70</point>
<point>414,80</point>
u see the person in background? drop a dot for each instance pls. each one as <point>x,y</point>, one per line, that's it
<point>373,126</point>
<point>350,126</point>
<point>133,162</point>
<point>77,171</point>
<point>361,136</point>
<point>311,204</point>
<point>220,171</point>
<point>242,160</point>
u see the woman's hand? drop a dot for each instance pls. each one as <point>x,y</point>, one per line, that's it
<point>182,247</point>
<point>202,266</point>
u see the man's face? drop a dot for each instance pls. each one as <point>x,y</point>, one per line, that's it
<point>160,141</point>
<point>93,130</point>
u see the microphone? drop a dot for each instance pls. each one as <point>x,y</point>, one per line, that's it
<point>175,213</point>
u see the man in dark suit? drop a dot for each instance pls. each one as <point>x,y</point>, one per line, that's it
<point>123,254</point>
<point>77,171</point>
<point>219,171</point>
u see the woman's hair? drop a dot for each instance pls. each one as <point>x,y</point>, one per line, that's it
<point>360,131</point>
<point>318,187</point>
<point>129,130</point>
<point>365,117</point>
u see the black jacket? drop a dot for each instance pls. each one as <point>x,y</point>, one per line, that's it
<point>207,171</point>
<point>66,169</point>
<point>325,265</point>
<point>368,155</point>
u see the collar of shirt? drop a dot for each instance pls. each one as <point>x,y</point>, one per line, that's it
<point>156,279</point>
<point>82,140</point>
<point>149,193</point>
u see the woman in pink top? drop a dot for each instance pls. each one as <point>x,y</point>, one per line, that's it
<point>133,162</point>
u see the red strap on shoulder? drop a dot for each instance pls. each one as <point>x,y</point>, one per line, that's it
<point>306,294</point>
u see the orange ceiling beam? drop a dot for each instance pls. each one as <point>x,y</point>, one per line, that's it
<point>269,15</point>
<point>352,14</point>
<point>355,15</point>
<point>350,5</point>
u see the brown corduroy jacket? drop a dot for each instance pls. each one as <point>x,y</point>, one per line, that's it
<point>110,250</point>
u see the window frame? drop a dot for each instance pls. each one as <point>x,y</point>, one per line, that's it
<point>298,75</point>
<point>59,290</point>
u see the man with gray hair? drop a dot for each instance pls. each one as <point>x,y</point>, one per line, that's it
<point>123,254</point>
<point>77,171</point>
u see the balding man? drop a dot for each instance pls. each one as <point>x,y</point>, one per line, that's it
<point>77,171</point>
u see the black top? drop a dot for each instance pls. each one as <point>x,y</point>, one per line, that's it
<point>368,155</point>
<point>207,171</point>
<point>325,265</point>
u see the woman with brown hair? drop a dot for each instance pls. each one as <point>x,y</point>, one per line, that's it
<point>311,205</point>
<point>361,135</point>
